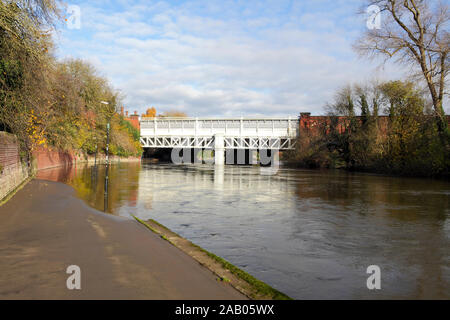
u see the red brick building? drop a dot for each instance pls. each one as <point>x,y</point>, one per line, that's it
<point>315,123</point>
<point>133,118</point>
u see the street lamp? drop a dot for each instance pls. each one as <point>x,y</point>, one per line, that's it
<point>107,162</point>
<point>107,134</point>
<point>96,150</point>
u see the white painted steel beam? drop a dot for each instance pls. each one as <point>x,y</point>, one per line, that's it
<point>238,133</point>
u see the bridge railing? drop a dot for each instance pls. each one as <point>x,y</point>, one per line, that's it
<point>229,127</point>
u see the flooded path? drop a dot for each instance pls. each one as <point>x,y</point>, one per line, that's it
<point>309,234</point>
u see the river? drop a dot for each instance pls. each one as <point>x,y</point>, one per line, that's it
<point>310,234</point>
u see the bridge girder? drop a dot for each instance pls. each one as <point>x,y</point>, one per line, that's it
<point>252,143</point>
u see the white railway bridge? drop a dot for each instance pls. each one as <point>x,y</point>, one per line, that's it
<point>219,134</point>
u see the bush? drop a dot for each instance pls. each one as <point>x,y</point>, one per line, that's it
<point>408,144</point>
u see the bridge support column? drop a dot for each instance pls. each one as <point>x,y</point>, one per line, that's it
<point>219,149</point>
<point>253,156</point>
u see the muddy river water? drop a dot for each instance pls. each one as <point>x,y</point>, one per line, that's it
<point>310,234</point>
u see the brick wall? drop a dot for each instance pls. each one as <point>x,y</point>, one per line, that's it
<point>47,158</point>
<point>13,172</point>
<point>9,150</point>
<point>314,123</point>
<point>134,120</point>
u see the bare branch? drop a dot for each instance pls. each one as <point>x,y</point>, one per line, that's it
<point>414,32</point>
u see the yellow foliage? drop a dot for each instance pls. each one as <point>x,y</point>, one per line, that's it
<point>150,113</point>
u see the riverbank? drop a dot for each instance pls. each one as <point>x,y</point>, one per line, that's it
<point>225,271</point>
<point>45,228</point>
<point>379,172</point>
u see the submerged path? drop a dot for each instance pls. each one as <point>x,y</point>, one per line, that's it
<point>45,228</point>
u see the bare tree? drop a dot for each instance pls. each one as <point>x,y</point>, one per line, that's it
<point>173,113</point>
<point>415,33</point>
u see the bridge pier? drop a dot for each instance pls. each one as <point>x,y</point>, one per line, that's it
<point>219,149</point>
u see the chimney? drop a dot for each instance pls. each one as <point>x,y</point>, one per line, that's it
<point>305,114</point>
<point>305,119</point>
<point>135,113</point>
<point>126,113</point>
<point>121,110</point>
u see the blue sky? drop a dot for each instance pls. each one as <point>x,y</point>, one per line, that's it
<point>223,58</point>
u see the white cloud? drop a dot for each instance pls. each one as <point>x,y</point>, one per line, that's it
<point>230,62</point>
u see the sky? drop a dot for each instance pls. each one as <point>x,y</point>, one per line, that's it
<point>223,58</point>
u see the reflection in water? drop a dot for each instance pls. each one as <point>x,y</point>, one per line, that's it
<point>89,183</point>
<point>310,234</point>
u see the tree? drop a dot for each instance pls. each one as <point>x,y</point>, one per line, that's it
<point>25,63</point>
<point>365,112</point>
<point>150,113</point>
<point>45,102</point>
<point>408,143</point>
<point>174,114</point>
<point>26,25</point>
<point>416,34</point>
<point>413,143</point>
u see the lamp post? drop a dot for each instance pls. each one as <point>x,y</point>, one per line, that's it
<point>107,134</point>
<point>105,204</point>
<point>96,151</point>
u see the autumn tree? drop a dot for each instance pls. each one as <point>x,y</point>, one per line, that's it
<point>405,106</point>
<point>25,64</point>
<point>46,102</point>
<point>415,33</point>
<point>405,141</point>
<point>150,113</point>
<point>174,114</point>
<point>413,144</point>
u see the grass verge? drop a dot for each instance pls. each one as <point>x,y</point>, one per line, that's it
<point>224,270</point>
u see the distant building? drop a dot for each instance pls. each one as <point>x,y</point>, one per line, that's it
<point>133,118</point>
<point>314,124</point>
